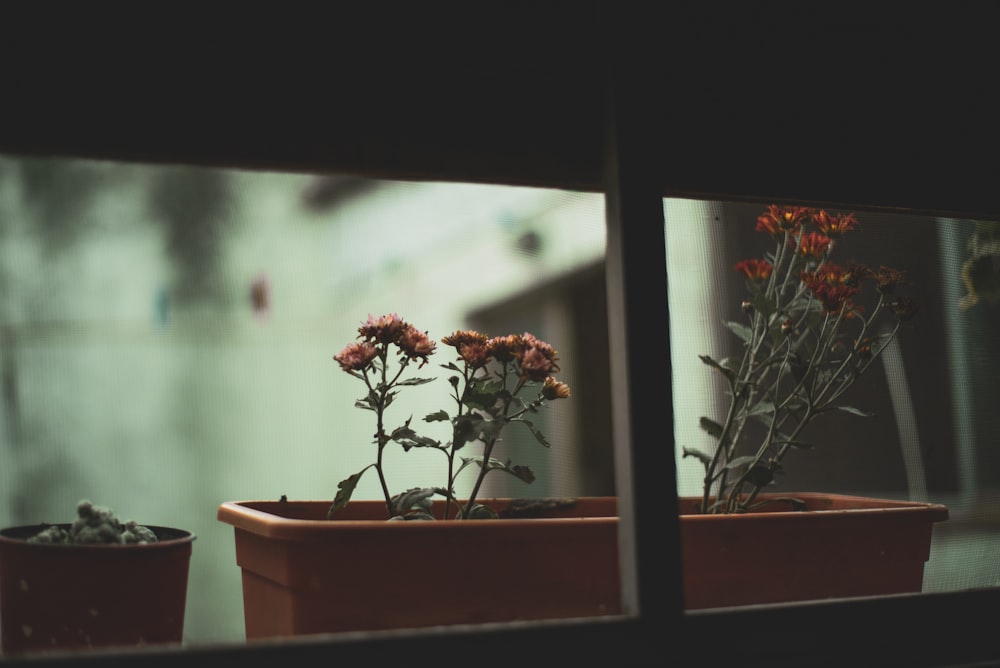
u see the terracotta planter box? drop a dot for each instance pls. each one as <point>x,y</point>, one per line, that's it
<point>851,546</point>
<point>305,574</point>
<point>63,597</point>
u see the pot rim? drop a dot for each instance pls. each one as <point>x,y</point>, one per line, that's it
<point>166,537</point>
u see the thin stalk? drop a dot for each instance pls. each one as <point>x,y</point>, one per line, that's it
<point>467,373</point>
<point>490,442</point>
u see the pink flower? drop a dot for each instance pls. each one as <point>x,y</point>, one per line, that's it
<point>356,356</point>
<point>414,344</point>
<point>383,329</point>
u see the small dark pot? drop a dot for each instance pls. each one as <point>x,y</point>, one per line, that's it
<point>61,597</point>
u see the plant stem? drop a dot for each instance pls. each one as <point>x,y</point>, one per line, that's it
<point>491,441</point>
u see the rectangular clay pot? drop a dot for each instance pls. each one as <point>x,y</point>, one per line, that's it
<point>305,574</point>
<point>844,546</point>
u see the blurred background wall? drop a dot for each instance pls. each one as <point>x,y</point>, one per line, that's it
<point>167,338</point>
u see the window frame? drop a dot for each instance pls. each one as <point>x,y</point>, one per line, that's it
<point>626,150</point>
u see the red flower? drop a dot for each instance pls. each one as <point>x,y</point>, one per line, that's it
<point>904,307</point>
<point>832,286</point>
<point>887,278</point>
<point>813,244</point>
<point>780,219</point>
<point>754,269</point>
<point>834,226</point>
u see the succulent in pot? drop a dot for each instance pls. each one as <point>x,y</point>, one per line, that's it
<point>95,524</point>
<point>94,582</point>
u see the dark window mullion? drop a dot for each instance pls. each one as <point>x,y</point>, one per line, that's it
<point>642,414</point>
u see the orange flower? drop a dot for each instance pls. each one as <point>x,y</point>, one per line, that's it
<point>505,348</point>
<point>471,347</point>
<point>553,389</point>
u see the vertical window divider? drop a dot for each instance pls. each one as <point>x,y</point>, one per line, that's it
<point>641,392</point>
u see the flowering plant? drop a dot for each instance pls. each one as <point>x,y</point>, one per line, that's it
<point>807,338</point>
<point>489,388</point>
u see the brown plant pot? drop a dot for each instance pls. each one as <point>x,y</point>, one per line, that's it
<point>305,574</point>
<point>845,546</point>
<point>63,597</point>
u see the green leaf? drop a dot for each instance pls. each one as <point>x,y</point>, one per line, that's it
<point>415,514</point>
<point>535,432</point>
<point>798,367</point>
<point>796,405</point>
<point>345,488</point>
<point>482,393</point>
<point>408,438</point>
<point>482,512</point>
<point>715,365</point>
<point>522,473</point>
<point>739,462</point>
<point>437,416</point>
<point>762,407</point>
<point>711,427</point>
<point>466,461</point>
<point>854,411</point>
<point>759,476</point>
<point>762,304</point>
<point>489,430</point>
<point>698,454</point>
<point>740,330</point>
<point>414,499</point>
<point>797,505</point>
<point>415,381</point>
<point>467,428</point>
